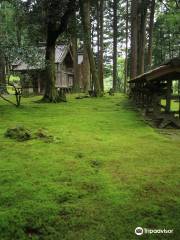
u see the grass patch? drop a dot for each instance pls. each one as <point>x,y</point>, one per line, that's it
<point>109,173</point>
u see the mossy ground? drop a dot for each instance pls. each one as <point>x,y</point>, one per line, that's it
<point>108,174</point>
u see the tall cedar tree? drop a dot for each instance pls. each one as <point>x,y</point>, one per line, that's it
<point>126,50</point>
<point>142,18</point>
<point>86,72</point>
<point>101,44</point>
<point>73,32</point>
<point>151,26</point>
<point>85,16</point>
<point>134,35</point>
<point>115,36</point>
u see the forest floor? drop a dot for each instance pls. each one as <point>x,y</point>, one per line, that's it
<point>107,174</point>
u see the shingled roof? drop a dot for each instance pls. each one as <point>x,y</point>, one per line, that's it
<point>170,70</point>
<point>60,54</point>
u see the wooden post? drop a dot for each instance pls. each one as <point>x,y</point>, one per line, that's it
<point>156,104</point>
<point>168,96</point>
<point>39,83</point>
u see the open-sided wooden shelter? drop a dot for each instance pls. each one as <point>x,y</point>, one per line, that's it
<point>150,90</point>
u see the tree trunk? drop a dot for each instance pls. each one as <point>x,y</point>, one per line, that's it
<point>151,25</point>
<point>101,46</point>
<point>134,36</point>
<point>126,59</point>
<point>142,35</point>
<point>115,33</point>
<point>98,27</point>
<point>76,87</point>
<point>51,94</point>
<point>86,72</point>
<point>85,15</point>
<point>55,27</point>
<point>50,90</point>
<point>2,74</point>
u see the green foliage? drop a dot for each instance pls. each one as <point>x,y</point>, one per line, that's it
<point>17,38</point>
<point>108,74</point>
<point>121,75</point>
<point>108,83</point>
<point>8,39</point>
<point>110,173</point>
<point>166,37</point>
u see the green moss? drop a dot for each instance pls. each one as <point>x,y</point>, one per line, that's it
<point>108,174</point>
<point>19,133</point>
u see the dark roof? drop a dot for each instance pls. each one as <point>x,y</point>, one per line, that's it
<point>167,71</point>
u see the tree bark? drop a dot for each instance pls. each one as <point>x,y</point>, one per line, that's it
<point>126,52</point>
<point>115,33</point>
<point>134,36</point>
<point>54,29</point>
<point>85,16</point>
<point>98,27</point>
<point>142,35</point>
<point>86,72</point>
<point>51,94</point>
<point>76,87</point>
<point>2,74</point>
<point>151,25</point>
<point>101,45</point>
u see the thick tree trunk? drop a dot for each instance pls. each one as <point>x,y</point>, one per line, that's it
<point>50,90</point>
<point>151,25</point>
<point>101,45</point>
<point>134,36</point>
<point>55,27</point>
<point>85,15</point>
<point>51,94</point>
<point>115,33</point>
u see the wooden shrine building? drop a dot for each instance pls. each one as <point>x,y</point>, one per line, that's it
<point>63,67</point>
<point>157,93</point>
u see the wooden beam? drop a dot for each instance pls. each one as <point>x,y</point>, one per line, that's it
<point>168,97</point>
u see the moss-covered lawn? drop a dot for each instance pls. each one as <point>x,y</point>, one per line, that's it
<point>108,173</point>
